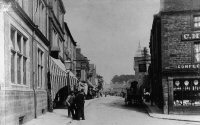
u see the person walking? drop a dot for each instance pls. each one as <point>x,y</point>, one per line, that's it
<point>71,104</point>
<point>80,101</point>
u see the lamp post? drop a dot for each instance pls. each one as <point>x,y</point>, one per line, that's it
<point>68,69</point>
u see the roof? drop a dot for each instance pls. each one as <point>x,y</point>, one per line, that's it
<point>139,51</point>
<point>80,56</point>
<point>62,6</point>
<point>69,33</point>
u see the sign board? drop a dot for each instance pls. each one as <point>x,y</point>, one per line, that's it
<point>188,66</point>
<point>190,36</point>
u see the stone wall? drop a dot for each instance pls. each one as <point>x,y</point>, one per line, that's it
<point>21,105</point>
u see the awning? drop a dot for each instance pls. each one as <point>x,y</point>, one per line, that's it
<point>72,75</point>
<point>62,66</point>
<point>59,63</point>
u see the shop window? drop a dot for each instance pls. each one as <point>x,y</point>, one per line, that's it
<point>18,56</point>
<point>186,92</point>
<point>196,21</point>
<point>197,52</point>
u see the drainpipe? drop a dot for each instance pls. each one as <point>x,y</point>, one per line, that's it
<point>33,74</point>
<point>33,68</point>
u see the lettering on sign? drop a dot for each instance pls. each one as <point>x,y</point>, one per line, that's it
<point>191,36</point>
<point>189,66</point>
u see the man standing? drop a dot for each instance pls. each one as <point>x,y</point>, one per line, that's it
<point>71,104</point>
<point>80,100</point>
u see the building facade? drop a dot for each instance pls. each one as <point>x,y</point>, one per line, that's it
<point>25,41</point>
<point>141,65</point>
<point>70,49</point>
<point>175,56</point>
<point>62,79</point>
<point>34,76</point>
<point>92,74</point>
<point>82,66</point>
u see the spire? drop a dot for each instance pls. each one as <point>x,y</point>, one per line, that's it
<point>139,51</point>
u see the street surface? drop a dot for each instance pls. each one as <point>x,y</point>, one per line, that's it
<point>111,110</point>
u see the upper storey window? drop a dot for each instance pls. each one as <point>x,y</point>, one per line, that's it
<point>26,5</point>
<point>41,16</point>
<point>197,52</point>
<point>196,21</point>
<point>19,56</point>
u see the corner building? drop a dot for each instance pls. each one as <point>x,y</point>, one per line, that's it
<point>24,52</point>
<point>175,57</point>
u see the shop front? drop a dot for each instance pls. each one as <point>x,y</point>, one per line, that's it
<point>181,76</point>
<point>186,95</point>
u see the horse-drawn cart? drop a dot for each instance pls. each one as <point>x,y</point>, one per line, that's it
<point>133,94</point>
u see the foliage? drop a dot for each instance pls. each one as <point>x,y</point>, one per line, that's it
<point>100,82</point>
<point>121,78</point>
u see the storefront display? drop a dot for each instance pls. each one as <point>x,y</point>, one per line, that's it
<point>186,92</point>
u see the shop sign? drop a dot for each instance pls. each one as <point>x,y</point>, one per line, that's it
<point>188,66</point>
<point>191,36</point>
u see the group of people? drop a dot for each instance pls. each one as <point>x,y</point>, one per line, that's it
<point>75,103</point>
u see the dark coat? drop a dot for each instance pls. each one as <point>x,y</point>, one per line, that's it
<point>80,99</point>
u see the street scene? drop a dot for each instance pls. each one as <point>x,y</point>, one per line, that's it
<point>100,62</point>
<point>109,110</point>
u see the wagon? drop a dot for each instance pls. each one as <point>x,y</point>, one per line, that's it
<point>133,94</point>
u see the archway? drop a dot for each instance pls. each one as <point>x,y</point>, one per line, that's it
<point>60,98</point>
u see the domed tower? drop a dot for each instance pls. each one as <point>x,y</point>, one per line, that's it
<point>139,51</point>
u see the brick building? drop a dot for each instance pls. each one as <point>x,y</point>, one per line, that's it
<point>175,51</point>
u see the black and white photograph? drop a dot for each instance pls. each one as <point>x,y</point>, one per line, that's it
<point>100,62</point>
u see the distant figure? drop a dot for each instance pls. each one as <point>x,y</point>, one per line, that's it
<point>71,104</point>
<point>80,101</point>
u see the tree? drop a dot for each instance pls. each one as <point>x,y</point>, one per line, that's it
<point>100,82</point>
<point>122,78</point>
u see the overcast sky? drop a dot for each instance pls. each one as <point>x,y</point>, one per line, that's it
<point>108,31</point>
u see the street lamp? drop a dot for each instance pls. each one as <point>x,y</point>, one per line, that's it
<point>68,65</point>
<point>68,68</point>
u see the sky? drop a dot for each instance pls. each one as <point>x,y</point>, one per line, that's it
<point>109,31</point>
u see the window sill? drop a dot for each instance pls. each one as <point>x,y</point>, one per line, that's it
<point>22,85</point>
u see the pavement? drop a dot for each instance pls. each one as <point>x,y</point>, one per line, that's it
<point>52,118</point>
<point>155,112</point>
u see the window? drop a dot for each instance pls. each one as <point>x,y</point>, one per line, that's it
<point>40,16</point>
<point>40,69</point>
<point>18,56</point>
<point>142,68</point>
<point>186,92</point>
<point>196,21</point>
<point>197,52</point>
